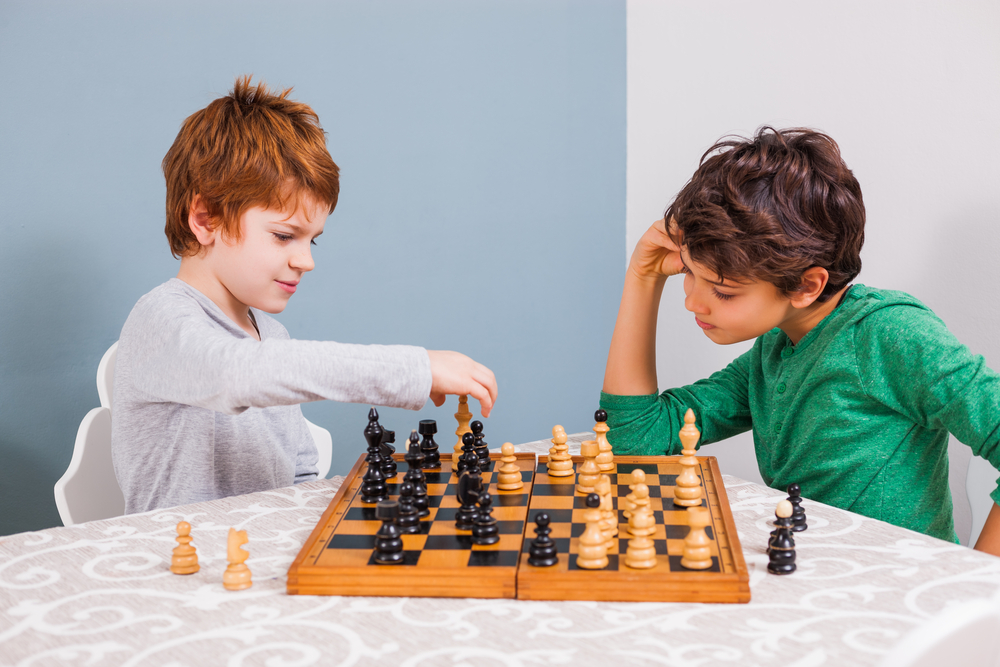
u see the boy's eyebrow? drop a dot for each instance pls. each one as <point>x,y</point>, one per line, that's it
<point>720,283</point>
<point>291,225</point>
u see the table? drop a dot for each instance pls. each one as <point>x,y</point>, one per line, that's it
<point>100,593</point>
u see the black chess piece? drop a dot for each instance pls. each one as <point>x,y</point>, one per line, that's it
<point>469,460</point>
<point>600,416</point>
<point>781,548</point>
<point>432,458</point>
<point>408,519</point>
<point>373,487</point>
<point>468,449</point>
<point>482,449</point>
<point>415,475</point>
<point>470,485</point>
<point>388,540</point>
<point>485,530</point>
<point>798,512</point>
<point>543,552</point>
<point>387,450</point>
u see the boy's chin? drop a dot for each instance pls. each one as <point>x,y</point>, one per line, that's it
<point>721,337</point>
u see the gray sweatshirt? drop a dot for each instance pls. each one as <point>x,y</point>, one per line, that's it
<point>202,410</point>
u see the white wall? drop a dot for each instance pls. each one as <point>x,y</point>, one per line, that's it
<point>910,91</point>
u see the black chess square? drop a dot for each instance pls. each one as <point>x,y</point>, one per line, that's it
<point>612,563</point>
<point>679,532</point>
<point>352,542</point>
<point>510,499</point>
<point>510,527</point>
<point>554,489</point>
<point>449,542</point>
<point>669,506</point>
<point>409,558</point>
<point>675,565</point>
<point>488,558</point>
<point>562,544</point>
<point>555,516</point>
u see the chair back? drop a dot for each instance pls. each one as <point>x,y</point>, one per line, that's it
<point>89,490</point>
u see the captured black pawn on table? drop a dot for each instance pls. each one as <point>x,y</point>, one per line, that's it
<point>485,530</point>
<point>415,475</point>
<point>388,540</point>
<point>427,428</point>
<point>798,512</point>
<point>543,552</point>
<point>373,487</point>
<point>482,449</point>
<point>781,549</point>
<point>409,518</point>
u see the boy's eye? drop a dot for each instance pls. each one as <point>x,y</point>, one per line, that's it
<point>282,237</point>
<point>724,297</point>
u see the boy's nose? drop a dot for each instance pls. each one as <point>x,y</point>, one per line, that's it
<point>303,261</point>
<point>694,302</point>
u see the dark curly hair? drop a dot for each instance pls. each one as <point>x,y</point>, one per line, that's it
<point>770,207</point>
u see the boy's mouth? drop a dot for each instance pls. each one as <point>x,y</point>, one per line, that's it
<point>704,325</point>
<point>288,287</point>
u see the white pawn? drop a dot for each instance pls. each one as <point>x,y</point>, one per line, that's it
<point>593,551</point>
<point>640,492</point>
<point>560,461</point>
<point>641,553</point>
<point>509,477</point>
<point>609,518</point>
<point>588,473</point>
<point>697,547</point>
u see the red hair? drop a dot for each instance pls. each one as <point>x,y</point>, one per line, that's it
<point>251,148</point>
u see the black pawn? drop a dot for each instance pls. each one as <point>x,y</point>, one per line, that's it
<point>387,450</point>
<point>798,512</point>
<point>388,543</point>
<point>469,460</point>
<point>485,530</point>
<point>470,484</point>
<point>542,552</point>
<point>482,449</point>
<point>415,475</point>
<point>781,549</point>
<point>409,518</point>
<point>432,459</point>
<point>373,488</point>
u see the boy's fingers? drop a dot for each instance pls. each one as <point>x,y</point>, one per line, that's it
<point>437,398</point>
<point>482,394</point>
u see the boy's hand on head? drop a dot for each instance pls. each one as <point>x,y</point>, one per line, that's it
<point>455,373</point>
<point>656,254</point>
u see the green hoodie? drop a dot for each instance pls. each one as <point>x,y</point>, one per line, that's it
<point>858,413</point>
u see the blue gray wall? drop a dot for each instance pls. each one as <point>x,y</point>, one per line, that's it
<point>482,148</point>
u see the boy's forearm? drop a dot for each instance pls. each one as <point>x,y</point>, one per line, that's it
<point>989,538</point>
<point>631,368</point>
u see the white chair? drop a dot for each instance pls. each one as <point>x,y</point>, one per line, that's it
<point>89,490</point>
<point>966,635</point>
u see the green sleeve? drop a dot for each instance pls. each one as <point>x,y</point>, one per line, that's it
<point>911,363</point>
<point>648,425</point>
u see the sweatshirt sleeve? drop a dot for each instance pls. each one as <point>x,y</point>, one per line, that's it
<point>910,362</point>
<point>648,425</point>
<point>177,354</point>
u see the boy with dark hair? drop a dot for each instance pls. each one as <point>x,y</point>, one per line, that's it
<point>850,391</point>
<point>207,386</point>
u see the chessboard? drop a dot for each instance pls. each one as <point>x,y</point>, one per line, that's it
<point>441,561</point>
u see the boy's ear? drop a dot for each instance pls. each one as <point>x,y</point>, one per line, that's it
<point>813,283</point>
<point>200,221</point>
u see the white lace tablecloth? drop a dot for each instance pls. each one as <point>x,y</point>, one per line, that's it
<point>100,593</point>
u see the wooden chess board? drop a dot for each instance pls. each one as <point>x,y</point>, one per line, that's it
<point>442,561</point>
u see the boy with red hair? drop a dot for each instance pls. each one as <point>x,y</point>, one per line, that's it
<point>850,391</point>
<point>207,385</point>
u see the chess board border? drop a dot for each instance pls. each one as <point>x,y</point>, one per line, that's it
<point>523,581</point>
